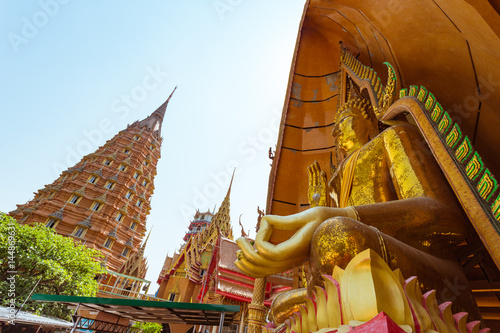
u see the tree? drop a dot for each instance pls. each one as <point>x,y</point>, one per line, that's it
<point>29,253</point>
<point>148,327</point>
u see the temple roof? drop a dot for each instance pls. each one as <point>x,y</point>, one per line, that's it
<point>58,214</point>
<point>230,282</point>
<point>85,223</point>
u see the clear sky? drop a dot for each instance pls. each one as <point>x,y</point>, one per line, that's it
<point>74,73</point>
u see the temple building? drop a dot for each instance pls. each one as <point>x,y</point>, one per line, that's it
<point>103,202</point>
<point>181,276</point>
<point>203,270</point>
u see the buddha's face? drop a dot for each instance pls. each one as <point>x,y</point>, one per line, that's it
<point>351,131</point>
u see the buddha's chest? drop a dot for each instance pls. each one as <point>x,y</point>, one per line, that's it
<point>370,180</point>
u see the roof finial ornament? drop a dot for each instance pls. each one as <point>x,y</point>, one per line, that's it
<point>243,233</point>
<point>143,247</point>
<point>231,183</point>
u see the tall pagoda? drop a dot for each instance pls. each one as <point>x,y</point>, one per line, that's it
<point>104,199</point>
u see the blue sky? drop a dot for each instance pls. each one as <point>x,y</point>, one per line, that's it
<point>74,73</point>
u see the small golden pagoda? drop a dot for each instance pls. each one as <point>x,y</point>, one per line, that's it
<point>181,278</point>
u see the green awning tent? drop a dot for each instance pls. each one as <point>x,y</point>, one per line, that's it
<point>150,311</point>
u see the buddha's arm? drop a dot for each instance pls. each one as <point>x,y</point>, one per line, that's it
<point>416,221</point>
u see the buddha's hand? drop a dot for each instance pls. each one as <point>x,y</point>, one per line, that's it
<point>317,193</point>
<point>282,242</point>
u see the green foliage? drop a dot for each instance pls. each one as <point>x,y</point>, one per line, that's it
<point>149,327</point>
<point>34,252</point>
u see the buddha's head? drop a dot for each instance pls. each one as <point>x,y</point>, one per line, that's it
<point>355,125</point>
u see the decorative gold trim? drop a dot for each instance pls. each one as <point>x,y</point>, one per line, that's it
<point>479,211</point>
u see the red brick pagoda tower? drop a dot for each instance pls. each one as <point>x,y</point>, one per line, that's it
<point>104,199</point>
<point>198,224</point>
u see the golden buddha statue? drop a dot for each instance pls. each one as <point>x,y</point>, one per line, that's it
<point>388,195</point>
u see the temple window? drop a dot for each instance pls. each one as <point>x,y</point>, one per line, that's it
<point>139,203</point>
<point>171,297</point>
<point>152,147</point>
<point>125,252</point>
<point>75,199</point>
<point>137,137</point>
<point>79,232</point>
<point>122,167</point>
<point>126,151</point>
<point>108,243</point>
<point>136,175</point>
<point>119,217</point>
<point>93,179</point>
<point>128,195</point>
<point>96,206</point>
<point>107,161</point>
<point>133,225</point>
<point>146,163</point>
<point>51,223</point>
<point>109,185</point>
<point>145,183</point>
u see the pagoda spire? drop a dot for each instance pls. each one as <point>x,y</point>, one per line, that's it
<point>160,112</point>
<point>154,121</point>
<point>143,247</point>
<point>230,184</point>
<point>221,220</point>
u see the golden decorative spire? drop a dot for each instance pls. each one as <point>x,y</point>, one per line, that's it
<point>80,191</point>
<point>124,209</point>
<point>221,220</point>
<point>101,198</point>
<point>143,247</point>
<point>140,169</point>
<point>126,161</point>
<point>112,156</point>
